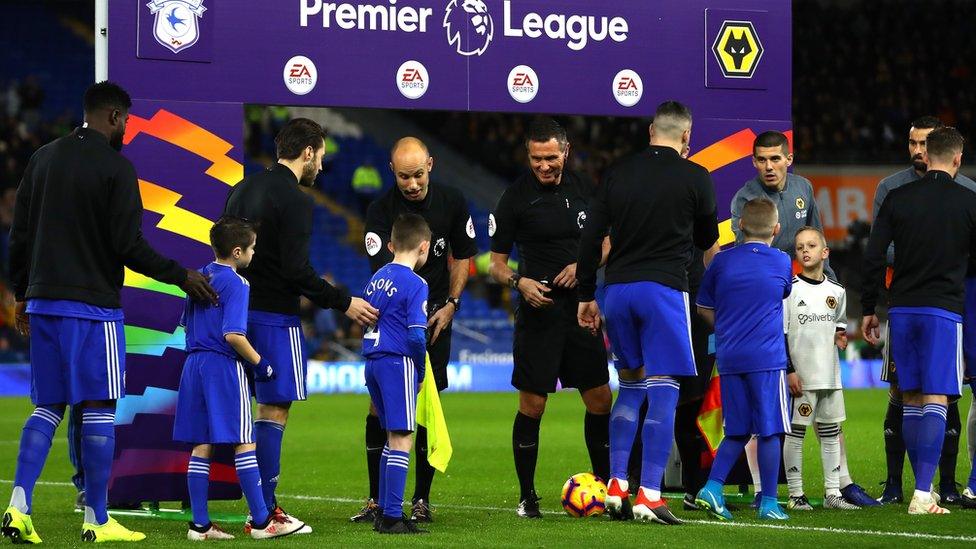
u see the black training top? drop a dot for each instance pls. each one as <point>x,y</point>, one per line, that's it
<point>78,221</point>
<point>658,206</point>
<point>280,271</point>
<point>932,222</point>
<point>451,227</point>
<point>543,221</point>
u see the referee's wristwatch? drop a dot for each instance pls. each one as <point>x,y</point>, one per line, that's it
<point>514,280</point>
<point>456,301</point>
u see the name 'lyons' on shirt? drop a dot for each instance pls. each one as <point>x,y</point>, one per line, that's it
<point>813,313</point>
<point>207,324</point>
<point>746,286</point>
<point>400,295</point>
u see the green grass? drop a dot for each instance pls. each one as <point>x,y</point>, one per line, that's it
<point>324,477</point>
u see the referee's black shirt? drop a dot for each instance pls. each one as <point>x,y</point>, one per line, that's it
<point>451,227</point>
<point>280,271</point>
<point>657,206</point>
<point>78,221</point>
<point>544,222</point>
<point>932,223</point>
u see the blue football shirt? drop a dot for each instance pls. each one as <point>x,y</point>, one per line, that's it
<point>207,324</point>
<point>746,286</point>
<point>401,297</point>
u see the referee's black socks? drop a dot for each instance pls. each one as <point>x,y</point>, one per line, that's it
<point>375,441</point>
<point>425,472</point>
<point>894,443</point>
<point>596,431</point>
<point>950,449</point>
<point>525,446</point>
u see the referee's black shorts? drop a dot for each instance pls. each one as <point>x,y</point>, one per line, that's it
<point>694,387</point>
<point>549,345</point>
<point>440,354</point>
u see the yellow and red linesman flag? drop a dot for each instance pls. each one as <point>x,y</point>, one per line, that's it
<point>710,414</point>
<point>431,415</point>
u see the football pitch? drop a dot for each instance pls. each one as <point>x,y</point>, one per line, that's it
<point>323,482</point>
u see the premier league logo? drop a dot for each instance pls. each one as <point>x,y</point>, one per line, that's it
<point>469,26</point>
<point>177,26</point>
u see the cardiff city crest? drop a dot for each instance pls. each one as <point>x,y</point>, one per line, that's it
<point>177,22</point>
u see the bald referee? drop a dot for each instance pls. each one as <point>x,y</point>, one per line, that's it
<point>926,299</point>
<point>657,206</point>
<point>452,235</point>
<point>279,275</point>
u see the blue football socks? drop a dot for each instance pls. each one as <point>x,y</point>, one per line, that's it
<point>267,436</point>
<point>35,443</point>
<point>198,484</point>
<point>249,475</point>
<point>397,463</point>
<point>931,435</point>
<point>97,452</point>
<point>623,424</point>
<point>658,432</point>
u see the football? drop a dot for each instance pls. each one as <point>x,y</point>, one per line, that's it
<point>584,495</point>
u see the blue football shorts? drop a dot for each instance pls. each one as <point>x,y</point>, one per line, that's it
<point>76,359</point>
<point>392,383</point>
<point>649,325</point>
<point>214,402</point>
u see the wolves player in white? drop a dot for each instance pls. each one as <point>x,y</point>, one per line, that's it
<point>815,323</point>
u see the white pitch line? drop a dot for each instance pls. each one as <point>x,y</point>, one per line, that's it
<point>879,533</point>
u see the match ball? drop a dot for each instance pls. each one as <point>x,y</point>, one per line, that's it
<point>584,495</point>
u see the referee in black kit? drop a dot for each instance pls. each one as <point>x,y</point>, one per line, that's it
<point>543,213</point>
<point>452,231</point>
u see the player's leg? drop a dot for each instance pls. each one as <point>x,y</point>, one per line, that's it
<point>596,427</point>
<point>198,484</point>
<point>440,354</point>
<point>829,436</point>
<point>375,447</point>
<point>397,380</point>
<point>950,455</point>
<point>770,396</point>
<point>893,437</point>
<point>687,435</point>
<point>525,448</point>
<point>624,332</point>
<point>74,455</point>
<point>803,412</point>
<point>49,392</point>
<point>737,416</point>
<point>283,346</point>
<point>192,424</point>
<point>752,460</point>
<point>376,404</point>
<point>968,500</point>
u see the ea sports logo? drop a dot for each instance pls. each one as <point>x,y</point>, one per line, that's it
<point>412,79</point>
<point>469,26</point>
<point>627,88</point>
<point>523,83</point>
<point>300,75</point>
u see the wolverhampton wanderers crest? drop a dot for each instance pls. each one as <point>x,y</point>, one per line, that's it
<point>177,24</point>
<point>805,409</point>
<point>800,204</point>
<point>831,302</point>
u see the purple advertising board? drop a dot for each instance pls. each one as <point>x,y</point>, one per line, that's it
<point>192,64</point>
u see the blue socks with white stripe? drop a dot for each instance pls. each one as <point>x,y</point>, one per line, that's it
<point>198,484</point>
<point>394,483</point>
<point>97,452</point>
<point>658,432</point>
<point>623,424</point>
<point>910,422</point>
<point>35,443</point>
<point>931,435</point>
<point>267,436</point>
<point>249,476</point>
<point>381,494</point>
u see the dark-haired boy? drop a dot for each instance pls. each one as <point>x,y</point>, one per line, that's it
<point>214,403</point>
<point>395,348</point>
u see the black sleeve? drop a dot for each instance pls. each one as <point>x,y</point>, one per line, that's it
<point>874,257</point>
<point>591,241</point>
<point>462,235</point>
<point>503,223</point>
<point>125,226</point>
<point>378,230</point>
<point>20,234</point>
<point>789,360</point>
<point>706,220</point>
<point>293,241</point>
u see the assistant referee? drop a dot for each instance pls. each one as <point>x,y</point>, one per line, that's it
<point>543,213</point>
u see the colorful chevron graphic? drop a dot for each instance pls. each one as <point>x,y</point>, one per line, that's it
<point>146,341</point>
<point>153,401</point>
<point>175,219</point>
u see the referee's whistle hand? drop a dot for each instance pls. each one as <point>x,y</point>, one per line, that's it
<point>588,316</point>
<point>198,287</point>
<point>362,312</point>
<point>871,329</point>
<point>534,292</point>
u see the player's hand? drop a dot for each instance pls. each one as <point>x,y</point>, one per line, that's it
<point>362,312</point>
<point>871,329</point>
<point>439,320</point>
<point>796,388</point>
<point>198,287</point>
<point>534,292</point>
<point>263,371</point>
<point>588,316</point>
<point>840,339</point>
<point>22,319</point>
<point>566,278</point>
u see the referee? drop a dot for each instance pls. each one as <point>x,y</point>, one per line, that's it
<point>543,213</point>
<point>452,233</point>
<point>894,444</point>
<point>77,223</point>
<point>927,299</point>
<point>279,274</point>
<point>657,206</point>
